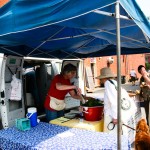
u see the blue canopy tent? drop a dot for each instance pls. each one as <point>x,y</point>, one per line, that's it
<point>71,29</point>
<point>74,29</point>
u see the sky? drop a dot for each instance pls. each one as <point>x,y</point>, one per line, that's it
<point>145,6</point>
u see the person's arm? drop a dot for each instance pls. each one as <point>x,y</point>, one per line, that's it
<point>60,86</point>
<point>77,94</point>
<point>112,96</point>
<point>146,78</point>
<point>57,82</point>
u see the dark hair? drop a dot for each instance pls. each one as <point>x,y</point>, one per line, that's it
<point>68,68</point>
<point>139,68</point>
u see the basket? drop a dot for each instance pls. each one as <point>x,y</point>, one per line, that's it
<point>23,124</point>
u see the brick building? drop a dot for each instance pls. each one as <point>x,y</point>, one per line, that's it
<point>3,2</point>
<point>128,62</point>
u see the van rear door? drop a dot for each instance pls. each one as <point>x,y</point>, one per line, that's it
<point>79,81</point>
<point>10,109</point>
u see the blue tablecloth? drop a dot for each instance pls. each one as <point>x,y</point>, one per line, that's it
<point>53,137</point>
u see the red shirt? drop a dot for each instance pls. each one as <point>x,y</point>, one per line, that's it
<point>59,94</point>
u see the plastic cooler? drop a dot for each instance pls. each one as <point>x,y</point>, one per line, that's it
<point>32,115</point>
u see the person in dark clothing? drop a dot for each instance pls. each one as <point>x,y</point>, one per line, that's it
<point>145,89</point>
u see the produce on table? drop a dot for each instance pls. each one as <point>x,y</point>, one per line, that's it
<point>92,103</point>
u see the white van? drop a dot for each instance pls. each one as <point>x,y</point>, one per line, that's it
<point>35,75</point>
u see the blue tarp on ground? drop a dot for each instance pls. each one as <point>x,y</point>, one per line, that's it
<point>71,28</point>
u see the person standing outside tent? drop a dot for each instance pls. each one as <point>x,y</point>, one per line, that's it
<point>128,107</point>
<point>133,76</point>
<point>145,89</point>
<point>60,86</point>
<point>110,99</point>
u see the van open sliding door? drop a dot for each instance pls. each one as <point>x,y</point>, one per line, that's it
<point>11,109</point>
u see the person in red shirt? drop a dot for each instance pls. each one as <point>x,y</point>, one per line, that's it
<point>60,86</point>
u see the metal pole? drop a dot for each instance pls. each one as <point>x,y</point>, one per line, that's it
<point>118,74</point>
<point>111,14</point>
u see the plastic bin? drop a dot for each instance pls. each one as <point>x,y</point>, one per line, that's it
<point>23,124</point>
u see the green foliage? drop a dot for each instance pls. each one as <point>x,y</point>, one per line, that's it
<point>147,66</point>
<point>92,103</point>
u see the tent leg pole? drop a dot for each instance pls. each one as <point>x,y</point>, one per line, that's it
<point>118,46</point>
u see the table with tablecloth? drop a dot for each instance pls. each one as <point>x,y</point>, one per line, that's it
<point>47,136</point>
<point>79,123</point>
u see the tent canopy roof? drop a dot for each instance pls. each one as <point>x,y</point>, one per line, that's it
<point>71,28</point>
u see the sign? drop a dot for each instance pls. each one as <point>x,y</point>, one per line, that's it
<point>93,60</point>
